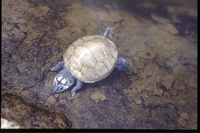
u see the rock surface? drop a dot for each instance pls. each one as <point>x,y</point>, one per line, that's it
<point>158,92</point>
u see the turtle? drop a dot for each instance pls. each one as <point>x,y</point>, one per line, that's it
<point>89,59</point>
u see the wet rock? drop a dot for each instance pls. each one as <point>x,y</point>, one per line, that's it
<point>27,115</point>
<point>36,33</point>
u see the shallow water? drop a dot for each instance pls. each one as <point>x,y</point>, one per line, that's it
<point>158,92</point>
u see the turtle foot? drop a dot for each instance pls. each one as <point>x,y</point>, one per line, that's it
<point>108,33</point>
<point>123,64</point>
<point>77,87</point>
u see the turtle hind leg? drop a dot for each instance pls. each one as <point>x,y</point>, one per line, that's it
<point>108,33</point>
<point>123,64</point>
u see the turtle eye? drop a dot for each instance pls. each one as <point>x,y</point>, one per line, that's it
<point>60,88</point>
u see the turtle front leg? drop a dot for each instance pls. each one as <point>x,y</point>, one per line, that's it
<point>77,87</point>
<point>123,64</point>
<point>59,66</point>
<point>108,33</point>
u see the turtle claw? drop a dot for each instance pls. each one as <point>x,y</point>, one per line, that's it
<point>73,92</point>
<point>52,69</point>
<point>59,66</point>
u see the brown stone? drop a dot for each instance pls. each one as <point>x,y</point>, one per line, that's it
<point>181,121</point>
<point>182,102</point>
<point>185,116</point>
<point>97,96</point>
<point>157,92</point>
<point>167,81</point>
<point>50,101</point>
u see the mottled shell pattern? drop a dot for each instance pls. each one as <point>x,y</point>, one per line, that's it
<point>91,58</point>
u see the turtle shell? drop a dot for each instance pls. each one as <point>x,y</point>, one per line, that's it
<point>91,58</point>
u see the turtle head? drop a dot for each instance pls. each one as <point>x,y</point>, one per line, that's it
<point>61,83</point>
